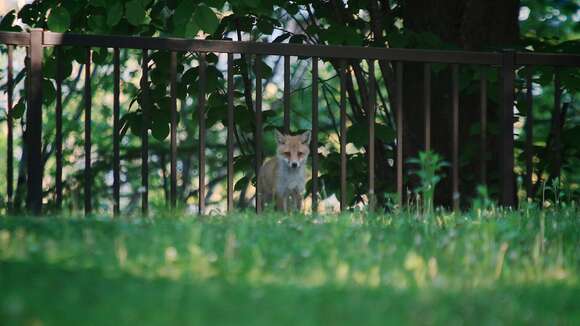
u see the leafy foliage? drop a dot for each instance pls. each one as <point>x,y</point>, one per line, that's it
<point>429,171</point>
<point>58,20</point>
<point>271,21</point>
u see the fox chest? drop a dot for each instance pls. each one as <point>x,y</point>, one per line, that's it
<point>290,183</point>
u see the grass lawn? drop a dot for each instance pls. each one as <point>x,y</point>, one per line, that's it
<point>492,268</point>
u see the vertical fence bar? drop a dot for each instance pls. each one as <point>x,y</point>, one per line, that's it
<point>286,94</point>
<point>400,140</point>
<point>483,127</point>
<point>116,132</point>
<point>34,124</point>
<point>557,142</point>
<point>173,145</point>
<point>427,104</point>
<point>343,189</point>
<point>371,157</point>
<point>10,136</point>
<point>314,139</point>
<point>202,133</point>
<point>58,122</point>
<point>145,133</point>
<point>258,140</point>
<point>529,134</point>
<point>230,132</point>
<point>507,130</point>
<point>28,101</point>
<point>455,154</point>
<point>88,144</point>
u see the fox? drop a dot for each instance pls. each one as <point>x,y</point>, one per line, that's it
<point>283,177</point>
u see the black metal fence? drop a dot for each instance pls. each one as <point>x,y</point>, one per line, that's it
<point>507,63</point>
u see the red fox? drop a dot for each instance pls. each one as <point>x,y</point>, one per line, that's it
<point>283,178</point>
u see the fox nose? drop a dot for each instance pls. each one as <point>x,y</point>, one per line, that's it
<point>294,164</point>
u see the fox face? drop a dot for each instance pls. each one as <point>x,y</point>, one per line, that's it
<point>293,150</point>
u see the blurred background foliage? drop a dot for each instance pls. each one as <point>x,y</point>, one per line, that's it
<point>526,25</point>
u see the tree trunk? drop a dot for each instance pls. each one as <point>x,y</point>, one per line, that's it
<point>471,25</point>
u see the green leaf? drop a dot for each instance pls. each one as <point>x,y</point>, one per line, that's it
<point>215,3</point>
<point>164,104</point>
<point>172,4</point>
<point>265,26</point>
<point>48,92</point>
<point>100,55</point>
<point>183,12</point>
<point>358,133</point>
<point>99,3</point>
<point>206,19</point>
<point>190,75</point>
<point>115,14</point>
<point>244,118</point>
<point>6,24</point>
<point>30,13</point>
<point>217,99</point>
<point>213,79</point>
<point>243,162</point>
<point>240,66</point>
<point>135,12</point>
<point>19,109</point>
<point>243,23</point>
<point>292,8</point>
<point>191,29</point>
<point>251,3</point>
<point>59,20</point>
<point>49,67</point>
<point>159,127</point>
<point>342,35</point>
<point>282,38</point>
<point>98,24</point>
<point>8,19</point>
<point>264,69</point>
<point>215,114</point>
<point>211,58</point>
<point>398,40</point>
<point>298,39</point>
<point>241,184</point>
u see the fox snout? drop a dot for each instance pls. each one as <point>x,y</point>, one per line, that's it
<point>294,164</point>
<point>292,161</point>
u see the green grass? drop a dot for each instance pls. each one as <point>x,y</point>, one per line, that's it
<point>499,267</point>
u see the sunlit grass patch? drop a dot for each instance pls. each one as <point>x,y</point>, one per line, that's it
<point>334,261</point>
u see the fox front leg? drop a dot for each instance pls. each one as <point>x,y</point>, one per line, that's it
<point>265,200</point>
<point>297,201</point>
<point>282,203</point>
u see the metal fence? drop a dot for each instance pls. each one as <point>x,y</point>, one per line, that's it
<point>507,63</point>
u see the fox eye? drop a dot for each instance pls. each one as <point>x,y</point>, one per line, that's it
<point>300,153</point>
<point>287,153</point>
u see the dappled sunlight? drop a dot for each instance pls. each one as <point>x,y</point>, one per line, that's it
<point>347,251</point>
<point>391,260</point>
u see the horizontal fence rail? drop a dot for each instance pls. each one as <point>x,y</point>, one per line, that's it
<point>15,38</point>
<point>322,51</point>
<point>507,62</point>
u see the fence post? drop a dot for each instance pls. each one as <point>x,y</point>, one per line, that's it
<point>507,194</point>
<point>34,125</point>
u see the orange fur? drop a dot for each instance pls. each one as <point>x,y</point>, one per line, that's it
<point>283,178</point>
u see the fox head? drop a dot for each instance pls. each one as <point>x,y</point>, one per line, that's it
<point>293,150</point>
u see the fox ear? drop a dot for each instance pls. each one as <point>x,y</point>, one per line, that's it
<point>305,137</point>
<point>280,137</point>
